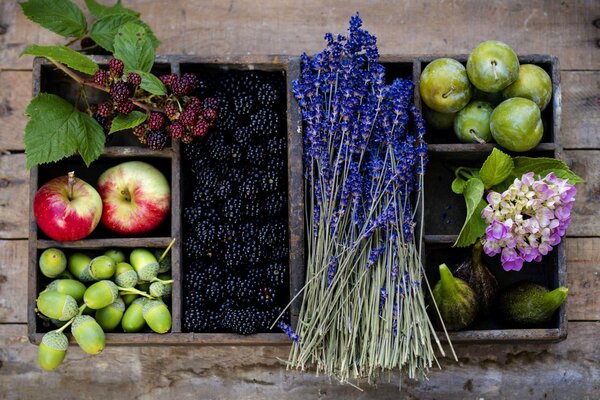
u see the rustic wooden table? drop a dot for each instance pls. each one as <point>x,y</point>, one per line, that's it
<point>567,370</point>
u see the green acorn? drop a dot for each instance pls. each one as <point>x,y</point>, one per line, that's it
<point>133,319</point>
<point>125,276</point>
<point>57,323</point>
<point>66,274</point>
<point>117,255</point>
<point>144,263</point>
<point>88,334</point>
<point>110,316</point>
<point>52,350</point>
<point>79,265</point>
<point>160,289</point>
<point>73,288</point>
<point>101,294</point>
<point>143,286</point>
<point>164,265</point>
<point>102,267</point>
<point>52,262</point>
<point>129,298</point>
<point>157,316</point>
<point>57,305</point>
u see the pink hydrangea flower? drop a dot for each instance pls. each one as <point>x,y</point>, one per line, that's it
<point>528,219</point>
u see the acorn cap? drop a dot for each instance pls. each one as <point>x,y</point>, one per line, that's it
<point>57,305</point>
<point>127,279</point>
<point>56,340</point>
<point>118,304</point>
<point>79,320</point>
<point>86,275</point>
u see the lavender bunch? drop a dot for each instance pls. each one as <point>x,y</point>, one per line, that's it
<point>363,309</point>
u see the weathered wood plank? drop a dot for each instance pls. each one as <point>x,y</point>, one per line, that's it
<point>580,109</point>
<point>14,200</point>
<point>13,281</point>
<point>566,370</point>
<point>292,27</point>
<point>586,211</point>
<point>15,94</point>
<point>583,275</point>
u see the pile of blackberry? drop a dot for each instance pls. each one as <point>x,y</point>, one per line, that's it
<point>235,209</point>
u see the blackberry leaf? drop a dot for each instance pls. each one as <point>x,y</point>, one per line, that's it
<point>59,16</point>
<point>134,47</point>
<point>131,120</point>
<point>63,55</point>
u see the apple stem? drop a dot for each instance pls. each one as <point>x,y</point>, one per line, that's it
<point>126,194</point>
<point>475,137</point>
<point>452,89</point>
<point>164,254</point>
<point>494,63</point>
<point>70,184</point>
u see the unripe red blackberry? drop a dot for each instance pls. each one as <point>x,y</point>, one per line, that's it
<point>168,79</point>
<point>156,121</point>
<point>210,114</point>
<point>201,128</point>
<point>195,104</point>
<point>105,110</point>
<point>134,79</point>
<point>140,132</point>
<point>180,87</point>
<point>120,91</point>
<point>172,111</point>
<point>156,140</point>
<point>188,117</point>
<point>125,108</point>
<point>101,77</point>
<point>176,130</point>
<point>116,67</point>
<point>190,80</point>
<point>187,139</point>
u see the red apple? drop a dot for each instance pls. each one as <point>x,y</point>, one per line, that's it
<point>67,208</point>
<point>136,197</point>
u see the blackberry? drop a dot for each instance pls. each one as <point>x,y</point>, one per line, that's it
<point>188,116</point>
<point>206,233</point>
<point>181,87</point>
<point>267,95</point>
<point>176,130</point>
<point>231,285</point>
<point>210,103</point>
<point>236,175</point>
<point>232,209</point>
<point>243,135</point>
<point>249,189</point>
<point>217,149</point>
<point>269,183</point>
<point>102,121</point>
<point>125,108</point>
<point>203,194</point>
<point>276,273</point>
<point>249,81</point>
<point>213,291</point>
<point>116,67</point>
<point>255,155</point>
<point>252,209</point>
<point>202,320</point>
<point>168,79</point>
<point>278,251</point>
<point>194,104</point>
<point>190,80</point>
<point>156,140</point>
<point>275,165</point>
<point>201,128</point>
<point>276,145</point>
<point>120,92</point>
<point>228,303</point>
<point>243,103</point>
<point>207,177</point>
<point>227,121</point>
<point>249,231</point>
<point>140,132</point>
<point>226,232</point>
<point>194,298</point>
<point>247,290</point>
<point>224,190</point>
<point>210,115</point>
<point>230,84</point>
<point>172,111</point>
<point>193,248</point>
<point>264,123</point>
<point>266,296</point>
<point>254,251</point>
<point>235,154</point>
<point>101,77</point>
<point>273,233</point>
<point>243,321</point>
<point>196,155</point>
<point>274,205</point>
<point>233,254</point>
<point>134,79</point>
<point>193,216</point>
<point>156,121</point>
<point>105,110</point>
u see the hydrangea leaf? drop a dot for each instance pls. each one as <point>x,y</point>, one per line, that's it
<point>57,130</point>
<point>151,83</point>
<point>133,46</point>
<point>131,120</point>
<point>59,16</point>
<point>474,226</point>
<point>543,166</point>
<point>458,185</point>
<point>63,55</point>
<point>496,168</point>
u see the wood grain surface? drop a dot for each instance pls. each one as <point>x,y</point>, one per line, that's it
<point>565,370</point>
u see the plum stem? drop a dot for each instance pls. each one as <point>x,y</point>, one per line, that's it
<point>494,63</point>
<point>452,89</point>
<point>473,133</point>
<point>70,184</point>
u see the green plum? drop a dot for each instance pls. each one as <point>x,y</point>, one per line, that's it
<point>438,120</point>
<point>472,123</point>
<point>493,98</point>
<point>53,262</point>
<point>444,85</point>
<point>533,83</point>
<point>516,124</point>
<point>52,350</point>
<point>492,66</point>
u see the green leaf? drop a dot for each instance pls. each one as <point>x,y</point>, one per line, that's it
<point>496,168</point>
<point>153,38</point>
<point>57,130</point>
<point>104,29</point>
<point>543,166</point>
<point>59,16</point>
<point>458,185</point>
<point>100,10</point>
<point>474,227</point>
<point>134,47</point>
<point>473,192</point>
<point>131,120</point>
<point>151,84</point>
<point>63,55</point>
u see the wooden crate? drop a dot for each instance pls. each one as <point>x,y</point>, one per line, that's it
<point>125,147</point>
<point>445,211</point>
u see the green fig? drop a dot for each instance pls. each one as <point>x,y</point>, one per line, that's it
<point>57,305</point>
<point>110,316</point>
<point>133,319</point>
<point>73,288</point>
<point>533,83</point>
<point>516,124</point>
<point>477,275</point>
<point>102,267</point>
<point>88,334</point>
<point>101,294</point>
<point>118,256</point>
<point>79,266</point>
<point>472,123</point>
<point>492,66</point>
<point>456,301</point>
<point>52,262</point>
<point>125,276</point>
<point>529,304</point>
<point>52,350</point>
<point>144,263</point>
<point>157,316</point>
